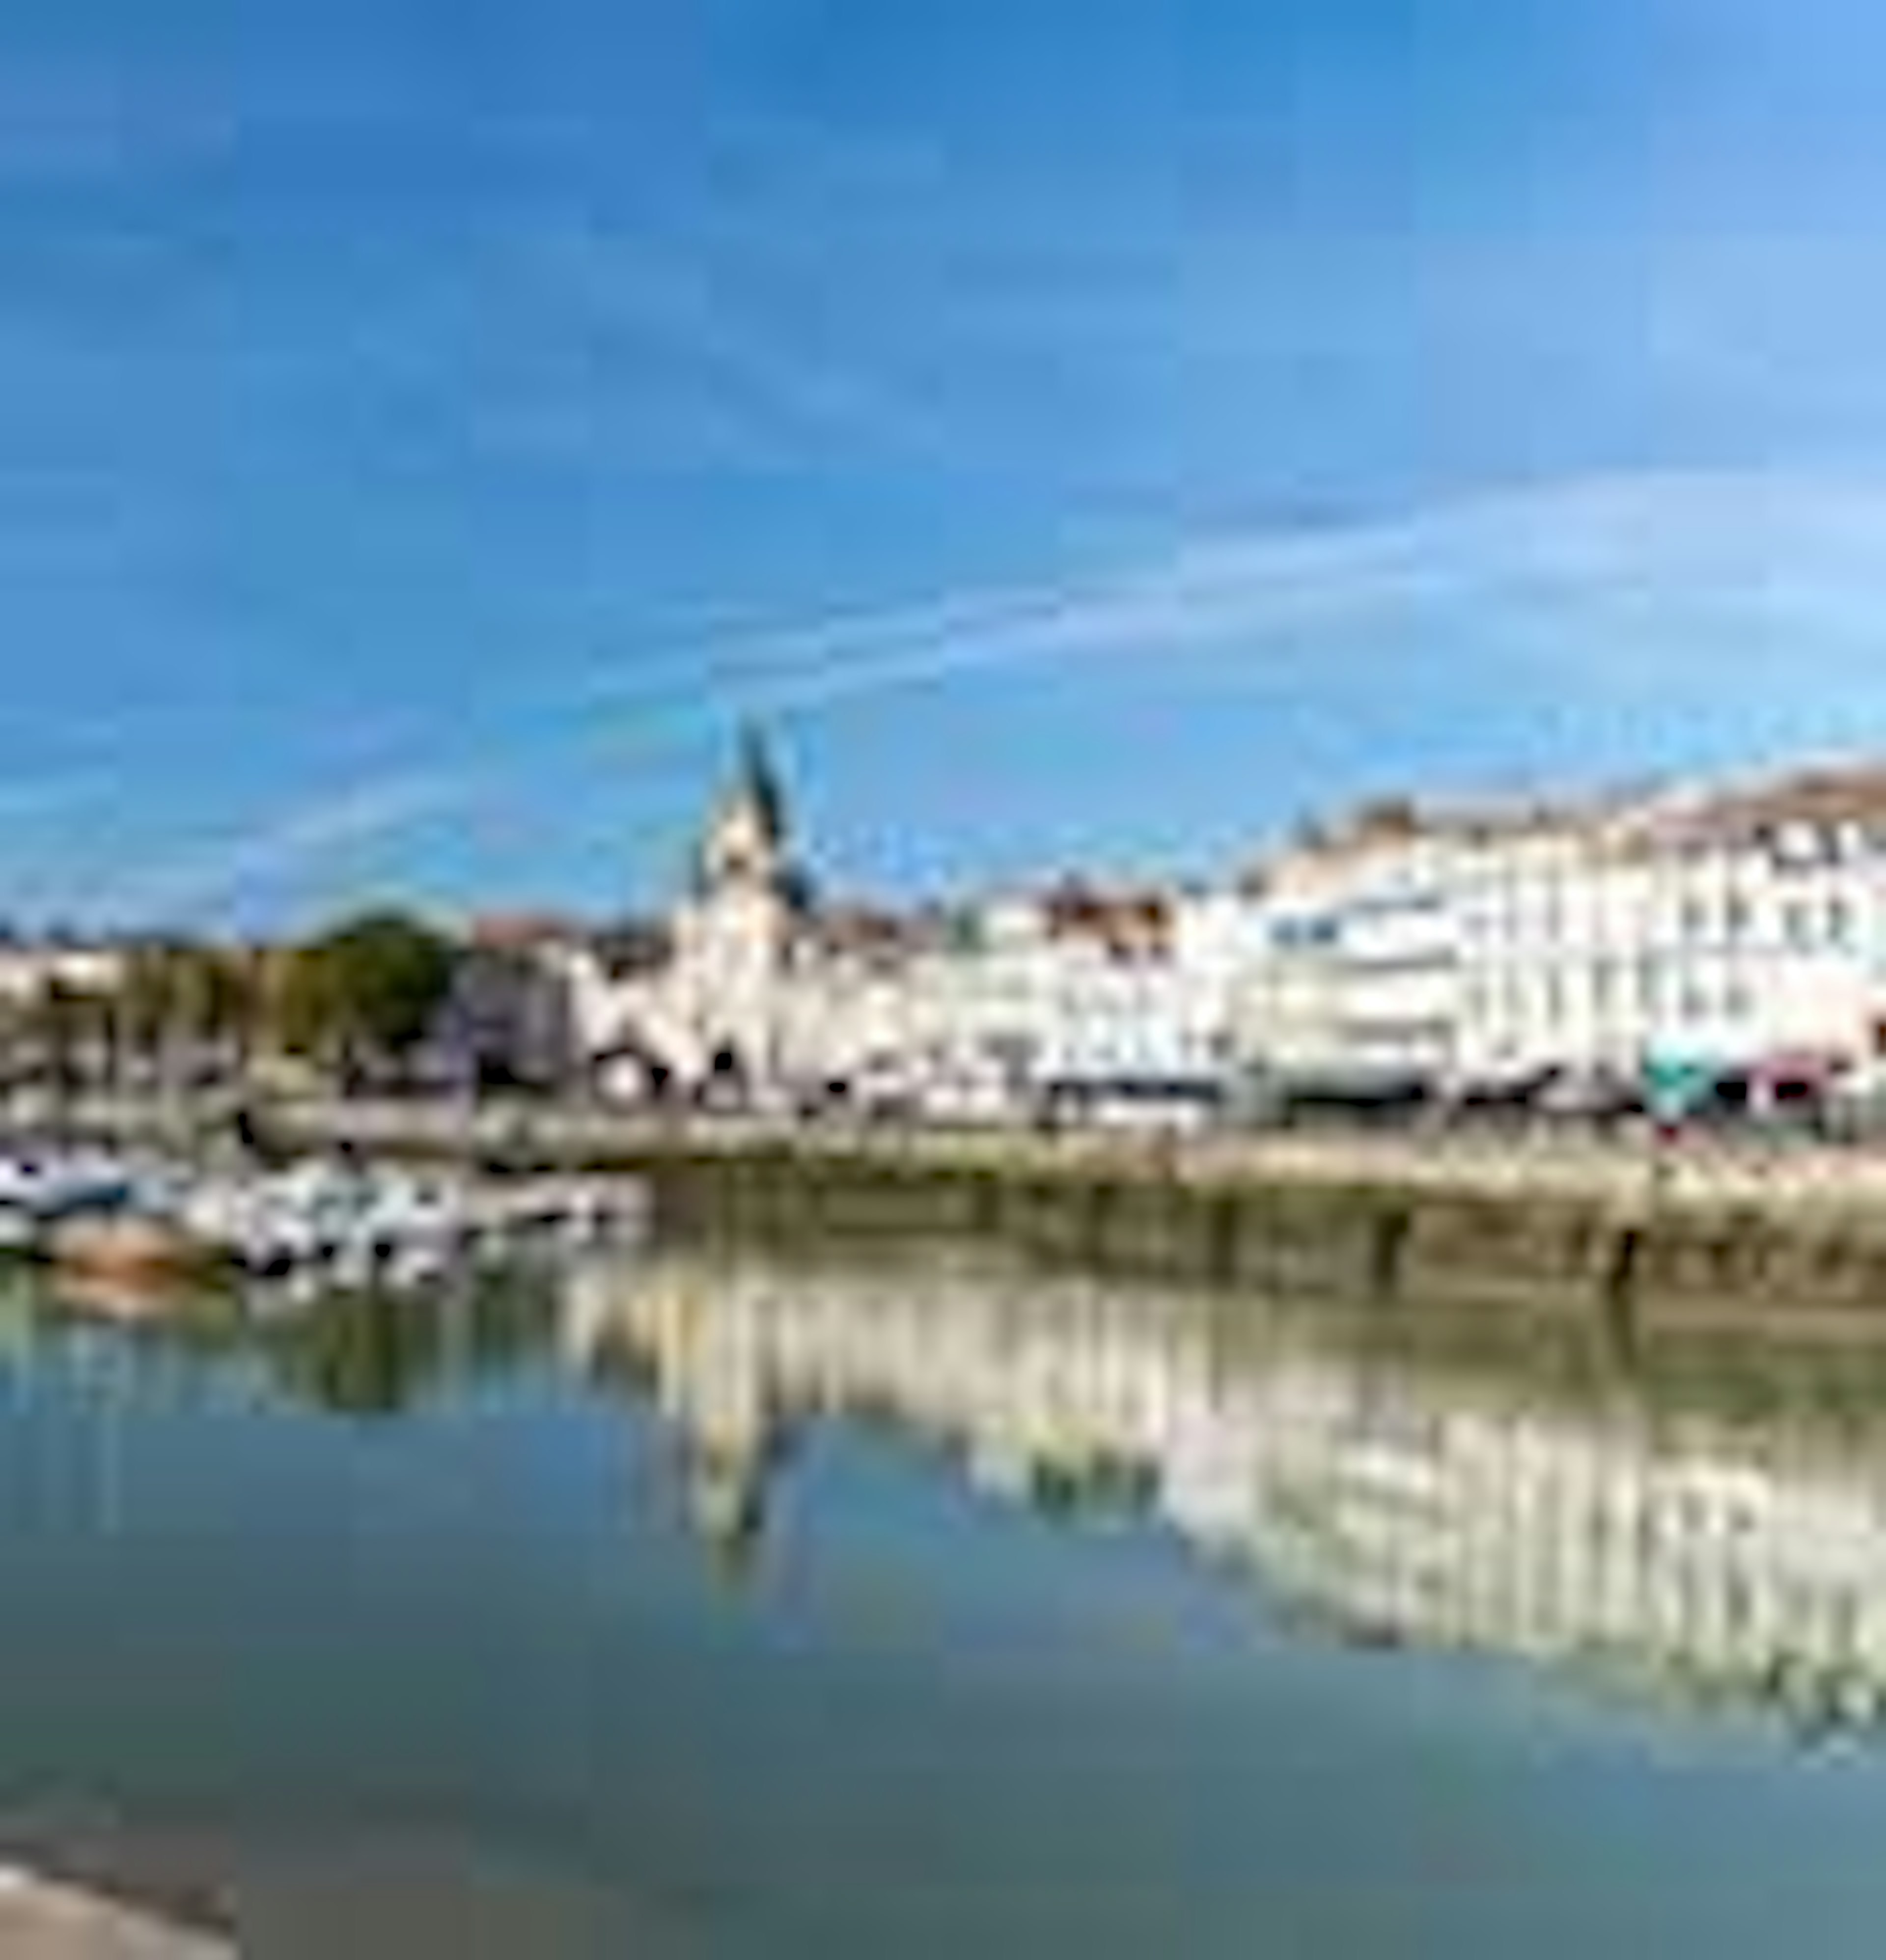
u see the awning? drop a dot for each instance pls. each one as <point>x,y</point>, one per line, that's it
<point>1797,1068</point>
<point>1674,1085</point>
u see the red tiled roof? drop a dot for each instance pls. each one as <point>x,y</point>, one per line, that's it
<point>515,931</point>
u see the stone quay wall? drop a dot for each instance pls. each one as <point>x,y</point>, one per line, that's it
<point>1627,1227</point>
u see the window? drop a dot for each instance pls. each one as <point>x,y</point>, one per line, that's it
<point>1798,844</point>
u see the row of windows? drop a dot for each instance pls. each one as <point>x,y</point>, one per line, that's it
<point>1832,920</point>
<point>1832,923</point>
<point>1647,990</point>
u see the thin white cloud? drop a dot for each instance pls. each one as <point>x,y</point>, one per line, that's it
<point>285,844</point>
<point>1602,592</point>
<point>1683,551</point>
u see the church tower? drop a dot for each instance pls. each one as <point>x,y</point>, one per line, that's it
<point>735,939</point>
<point>745,842</point>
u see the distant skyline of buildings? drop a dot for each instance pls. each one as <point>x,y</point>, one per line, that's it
<point>1442,943</point>
<point>1736,925</point>
<point>1486,807</point>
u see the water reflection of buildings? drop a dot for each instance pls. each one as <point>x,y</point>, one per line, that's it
<point>1409,1501</point>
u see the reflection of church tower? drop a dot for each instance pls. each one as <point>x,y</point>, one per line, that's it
<point>729,1485</point>
<point>734,940</point>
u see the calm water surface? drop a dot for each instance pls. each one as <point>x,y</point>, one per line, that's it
<point>707,1605</point>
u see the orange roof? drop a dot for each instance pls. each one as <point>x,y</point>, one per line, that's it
<point>513,931</point>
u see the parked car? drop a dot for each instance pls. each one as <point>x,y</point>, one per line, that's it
<point>1596,1095</point>
<point>1157,1104</point>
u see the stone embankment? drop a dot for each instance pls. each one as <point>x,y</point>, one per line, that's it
<point>1634,1238</point>
<point>1624,1227</point>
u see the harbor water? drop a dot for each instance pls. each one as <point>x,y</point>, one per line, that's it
<point>713,1604</point>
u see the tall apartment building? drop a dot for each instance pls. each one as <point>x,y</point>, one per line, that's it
<point>1729,929</point>
<point>1733,929</point>
<point>1356,972</point>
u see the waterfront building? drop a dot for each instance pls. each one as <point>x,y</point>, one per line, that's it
<point>1741,929</point>
<point>506,1020</point>
<point>701,1000</point>
<point>1713,930</point>
<point>1356,974</point>
<point>31,969</point>
<point>1738,929</point>
<point>755,989</point>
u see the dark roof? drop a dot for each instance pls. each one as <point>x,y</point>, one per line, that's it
<point>864,930</point>
<point>1818,797</point>
<point>1123,920</point>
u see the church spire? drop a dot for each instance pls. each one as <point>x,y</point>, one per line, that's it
<point>758,785</point>
<point>746,843</point>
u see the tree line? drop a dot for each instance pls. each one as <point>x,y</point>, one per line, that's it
<point>357,1000</point>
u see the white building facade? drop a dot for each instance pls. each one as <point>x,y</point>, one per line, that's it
<point>1722,930</point>
<point>982,1008</point>
<point>1727,931</point>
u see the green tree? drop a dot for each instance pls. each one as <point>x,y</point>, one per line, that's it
<point>370,990</point>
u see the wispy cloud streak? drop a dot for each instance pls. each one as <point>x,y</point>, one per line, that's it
<point>1604,589</point>
<point>284,844</point>
<point>1757,551</point>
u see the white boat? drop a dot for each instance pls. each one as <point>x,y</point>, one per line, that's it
<point>60,1184</point>
<point>332,1223</point>
<point>401,1213</point>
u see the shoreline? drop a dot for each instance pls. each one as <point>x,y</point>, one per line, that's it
<point>1625,1230</point>
<point>51,1916</point>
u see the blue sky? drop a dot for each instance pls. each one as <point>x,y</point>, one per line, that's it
<point>1084,430</point>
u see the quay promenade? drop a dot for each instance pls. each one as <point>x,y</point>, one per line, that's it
<point>1626,1227</point>
<point>1696,1171</point>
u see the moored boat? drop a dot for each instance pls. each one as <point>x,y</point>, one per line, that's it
<point>126,1247</point>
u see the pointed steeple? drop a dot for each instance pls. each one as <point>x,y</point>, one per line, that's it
<point>758,785</point>
<point>747,843</point>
